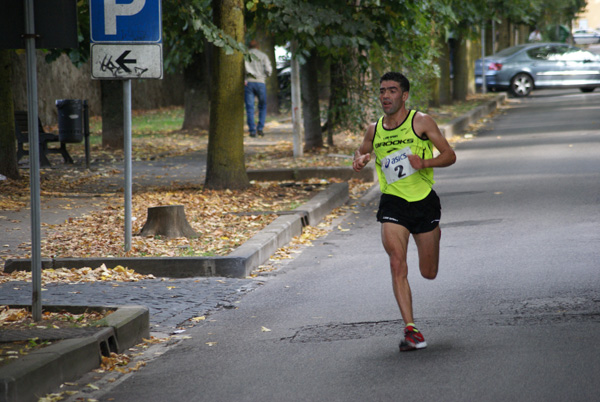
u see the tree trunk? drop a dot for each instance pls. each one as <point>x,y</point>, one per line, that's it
<point>504,36</point>
<point>225,167</point>
<point>461,71</point>
<point>445,83</point>
<point>313,136</point>
<point>112,114</point>
<point>267,44</point>
<point>167,221</point>
<point>8,143</point>
<point>323,65</point>
<point>339,97</point>
<point>523,33</point>
<point>489,39</point>
<point>474,54</point>
<point>197,92</point>
<point>434,90</point>
<point>437,41</point>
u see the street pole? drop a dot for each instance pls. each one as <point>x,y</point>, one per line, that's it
<point>483,86</point>
<point>298,127</point>
<point>127,155</point>
<point>493,37</point>
<point>34,164</point>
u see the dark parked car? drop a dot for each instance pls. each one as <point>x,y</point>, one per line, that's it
<point>522,68</point>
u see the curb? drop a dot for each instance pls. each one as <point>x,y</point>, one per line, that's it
<point>460,124</point>
<point>238,264</point>
<point>40,372</point>
<point>298,174</point>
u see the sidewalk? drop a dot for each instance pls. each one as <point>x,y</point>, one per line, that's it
<point>170,304</point>
<point>182,170</point>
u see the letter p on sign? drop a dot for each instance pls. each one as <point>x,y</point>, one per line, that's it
<point>112,10</point>
<point>117,21</point>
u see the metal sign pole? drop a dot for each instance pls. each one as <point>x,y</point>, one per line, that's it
<point>127,153</point>
<point>34,164</point>
<point>126,43</point>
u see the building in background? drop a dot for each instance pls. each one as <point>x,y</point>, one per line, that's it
<point>590,19</point>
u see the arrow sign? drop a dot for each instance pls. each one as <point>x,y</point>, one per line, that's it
<point>121,61</point>
<point>116,62</point>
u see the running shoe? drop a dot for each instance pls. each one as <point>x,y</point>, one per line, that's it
<point>413,340</point>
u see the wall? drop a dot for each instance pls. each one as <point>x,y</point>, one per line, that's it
<point>62,80</point>
<point>591,15</point>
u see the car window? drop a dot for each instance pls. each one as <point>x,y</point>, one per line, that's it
<point>585,55</point>
<point>568,53</point>
<point>558,53</point>
<point>540,53</point>
<point>509,51</point>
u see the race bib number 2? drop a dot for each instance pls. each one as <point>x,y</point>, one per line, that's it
<point>396,166</point>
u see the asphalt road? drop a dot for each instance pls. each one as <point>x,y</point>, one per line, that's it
<point>513,315</point>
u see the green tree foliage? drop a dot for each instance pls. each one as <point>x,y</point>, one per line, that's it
<point>363,39</point>
<point>554,13</point>
<point>187,26</point>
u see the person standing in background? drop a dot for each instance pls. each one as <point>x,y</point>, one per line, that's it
<point>535,35</point>
<point>258,69</point>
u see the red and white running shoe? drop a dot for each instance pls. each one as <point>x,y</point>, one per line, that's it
<point>413,340</point>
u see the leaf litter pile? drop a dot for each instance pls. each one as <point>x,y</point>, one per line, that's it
<point>223,220</point>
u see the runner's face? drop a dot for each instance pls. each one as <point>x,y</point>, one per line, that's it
<point>391,97</point>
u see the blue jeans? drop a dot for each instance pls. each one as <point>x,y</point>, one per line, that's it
<point>259,90</point>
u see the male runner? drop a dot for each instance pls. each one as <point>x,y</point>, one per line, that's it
<point>403,142</point>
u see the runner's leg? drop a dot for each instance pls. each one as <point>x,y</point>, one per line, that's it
<point>395,242</point>
<point>428,245</point>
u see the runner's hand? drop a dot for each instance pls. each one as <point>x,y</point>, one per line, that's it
<point>360,162</point>
<point>416,162</point>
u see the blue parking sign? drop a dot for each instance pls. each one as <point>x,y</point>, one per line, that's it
<point>125,21</point>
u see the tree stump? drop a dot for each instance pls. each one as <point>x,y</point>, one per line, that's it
<point>168,221</point>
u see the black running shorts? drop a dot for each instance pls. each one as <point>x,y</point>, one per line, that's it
<point>418,217</point>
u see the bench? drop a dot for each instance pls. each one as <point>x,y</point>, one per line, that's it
<point>22,134</point>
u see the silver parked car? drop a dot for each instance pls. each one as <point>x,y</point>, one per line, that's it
<point>585,37</point>
<point>522,68</point>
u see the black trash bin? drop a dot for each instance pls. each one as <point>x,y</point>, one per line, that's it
<point>70,120</point>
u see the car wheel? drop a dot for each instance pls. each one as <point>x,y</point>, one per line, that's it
<point>521,85</point>
<point>586,90</point>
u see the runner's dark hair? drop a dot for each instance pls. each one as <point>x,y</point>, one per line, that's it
<point>398,77</point>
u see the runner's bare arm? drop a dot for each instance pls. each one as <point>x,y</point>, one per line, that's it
<point>362,156</point>
<point>424,125</point>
